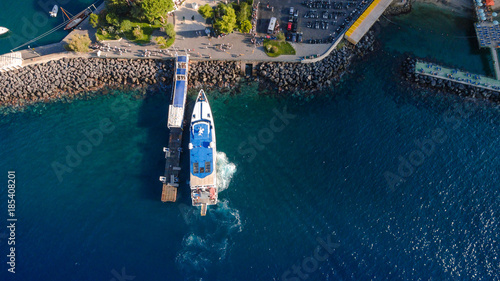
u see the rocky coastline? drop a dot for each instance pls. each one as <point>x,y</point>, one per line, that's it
<point>67,77</point>
<point>398,9</point>
<point>318,75</point>
<point>443,85</point>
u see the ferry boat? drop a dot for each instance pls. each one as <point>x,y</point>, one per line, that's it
<point>3,30</point>
<point>54,11</point>
<point>202,152</point>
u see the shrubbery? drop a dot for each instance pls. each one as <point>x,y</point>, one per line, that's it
<point>79,43</point>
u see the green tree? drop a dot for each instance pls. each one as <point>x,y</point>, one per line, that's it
<point>245,26</point>
<point>160,40</point>
<point>79,43</point>
<point>169,30</point>
<point>138,33</point>
<point>94,20</point>
<point>243,13</point>
<point>119,7</point>
<point>136,11</point>
<point>227,20</point>
<point>112,19</point>
<point>126,25</point>
<point>154,9</point>
<point>206,11</point>
<point>280,36</point>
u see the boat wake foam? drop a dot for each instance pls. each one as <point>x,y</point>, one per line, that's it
<point>208,241</point>
<point>225,171</point>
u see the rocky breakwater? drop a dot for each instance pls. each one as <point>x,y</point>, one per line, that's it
<point>398,7</point>
<point>68,77</point>
<point>213,73</point>
<point>444,85</point>
<point>315,76</point>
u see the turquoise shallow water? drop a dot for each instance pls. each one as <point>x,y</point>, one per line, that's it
<point>290,188</point>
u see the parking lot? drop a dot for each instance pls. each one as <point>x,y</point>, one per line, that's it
<point>311,21</point>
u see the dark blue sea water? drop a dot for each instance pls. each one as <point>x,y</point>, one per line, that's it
<point>306,191</point>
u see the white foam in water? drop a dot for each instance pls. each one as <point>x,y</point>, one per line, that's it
<point>208,240</point>
<point>225,171</point>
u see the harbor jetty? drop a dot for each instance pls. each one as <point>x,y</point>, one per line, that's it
<point>456,75</point>
<point>175,124</point>
<point>440,82</point>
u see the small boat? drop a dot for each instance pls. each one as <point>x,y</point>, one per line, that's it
<point>3,30</point>
<point>54,11</point>
<point>76,20</point>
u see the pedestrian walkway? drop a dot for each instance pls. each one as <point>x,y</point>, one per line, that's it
<point>455,75</point>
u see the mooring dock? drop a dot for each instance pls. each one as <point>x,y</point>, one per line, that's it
<point>173,152</point>
<point>458,76</point>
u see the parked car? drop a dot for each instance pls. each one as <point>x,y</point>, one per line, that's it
<point>294,37</point>
<point>299,38</point>
<point>289,26</point>
<point>296,14</point>
<point>291,11</point>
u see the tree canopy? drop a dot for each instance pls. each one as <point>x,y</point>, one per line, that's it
<point>226,22</point>
<point>155,9</point>
<point>94,20</point>
<point>169,30</point>
<point>206,11</point>
<point>112,19</point>
<point>138,33</point>
<point>126,25</point>
<point>243,13</point>
<point>245,26</point>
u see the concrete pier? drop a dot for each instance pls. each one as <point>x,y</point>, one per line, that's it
<point>175,124</point>
<point>455,75</point>
<point>366,20</point>
<point>494,54</point>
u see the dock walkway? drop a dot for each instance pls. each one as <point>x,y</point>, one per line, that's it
<point>494,54</point>
<point>175,124</point>
<point>172,167</point>
<point>455,75</point>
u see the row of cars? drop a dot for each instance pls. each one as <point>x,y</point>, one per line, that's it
<point>313,14</point>
<point>295,37</point>
<point>328,4</point>
<point>293,21</point>
<point>318,24</point>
